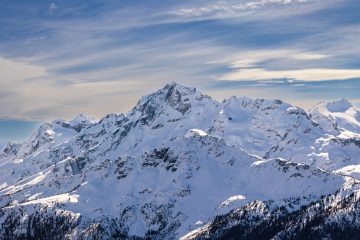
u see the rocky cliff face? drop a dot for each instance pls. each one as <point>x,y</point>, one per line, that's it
<point>180,164</point>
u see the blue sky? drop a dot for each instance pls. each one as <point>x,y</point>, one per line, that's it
<point>16,130</point>
<point>61,58</point>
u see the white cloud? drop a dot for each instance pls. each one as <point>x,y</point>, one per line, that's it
<point>253,58</point>
<point>52,7</point>
<point>309,56</point>
<point>230,8</point>
<point>138,69</point>
<point>99,76</point>
<point>312,74</point>
<point>13,71</point>
<point>248,66</point>
<point>263,3</point>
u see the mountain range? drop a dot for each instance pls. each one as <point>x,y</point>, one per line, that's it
<point>181,165</point>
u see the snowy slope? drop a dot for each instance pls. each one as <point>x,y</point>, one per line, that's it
<point>20,160</point>
<point>171,164</point>
<point>2,143</point>
<point>335,216</point>
<point>274,129</point>
<point>338,115</point>
<point>267,128</point>
<point>186,181</point>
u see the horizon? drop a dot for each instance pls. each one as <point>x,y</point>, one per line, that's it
<point>62,58</point>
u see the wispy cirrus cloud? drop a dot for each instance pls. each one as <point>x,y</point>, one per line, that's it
<point>311,74</point>
<point>101,56</point>
<point>52,7</point>
<point>250,59</point>
<point>13,70</point>
<point>223,9</point>
<point>251,66</point>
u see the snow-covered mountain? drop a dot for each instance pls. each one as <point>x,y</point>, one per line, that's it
<point>182,165</point>
<point>339,115</point>
<point>2,143</point>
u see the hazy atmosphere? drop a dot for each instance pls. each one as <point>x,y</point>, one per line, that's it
<point>62,58</point>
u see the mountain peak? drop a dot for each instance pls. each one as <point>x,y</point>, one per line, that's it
<point>81,119</point>
<point>336,106</point>
<point>259,103</point>
<point>178,87</point>
<point>339,115</point>
<point>172,96</point>
<point>341,105</point>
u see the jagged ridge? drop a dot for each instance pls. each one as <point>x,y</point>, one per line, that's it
<point>175,161</point>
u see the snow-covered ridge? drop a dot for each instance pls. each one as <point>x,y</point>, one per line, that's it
<point>173,163</point>
<point>340,115</point>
